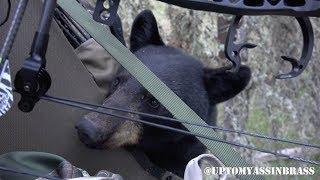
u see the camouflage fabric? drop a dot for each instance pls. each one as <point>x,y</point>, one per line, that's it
<point>98,62</point>
<point>67,171</point>
<point>44,165</point>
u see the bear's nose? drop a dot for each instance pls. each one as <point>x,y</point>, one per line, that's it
<point>89,134</point>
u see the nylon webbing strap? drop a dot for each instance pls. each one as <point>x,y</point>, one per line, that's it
<point>153,84</point>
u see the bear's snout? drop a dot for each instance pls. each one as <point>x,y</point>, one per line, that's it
<point>89,134</point>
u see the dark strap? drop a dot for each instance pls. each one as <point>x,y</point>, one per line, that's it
<point>150,167</point>
<point>146,164</point>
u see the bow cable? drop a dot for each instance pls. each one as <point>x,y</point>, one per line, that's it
<point>262,136</point>
<point>76,104</point>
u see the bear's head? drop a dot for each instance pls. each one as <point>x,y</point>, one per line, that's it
<point>199,87</point>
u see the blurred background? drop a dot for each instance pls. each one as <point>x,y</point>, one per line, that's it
<point>281,108</point>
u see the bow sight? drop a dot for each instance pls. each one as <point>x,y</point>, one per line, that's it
<point>32,81</point>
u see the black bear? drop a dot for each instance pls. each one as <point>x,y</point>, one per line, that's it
<point>199,87</point>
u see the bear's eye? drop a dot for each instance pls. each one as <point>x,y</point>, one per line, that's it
<point>154,103</point>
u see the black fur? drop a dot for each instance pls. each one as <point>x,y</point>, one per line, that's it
<point>200,88</point>
<point>145,30</point>
<point>197,86</point>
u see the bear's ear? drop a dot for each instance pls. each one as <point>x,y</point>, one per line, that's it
<point>144,31</point>
<point>222,85</point>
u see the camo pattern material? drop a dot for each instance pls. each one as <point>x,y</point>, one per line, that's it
<point>67,171</point>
